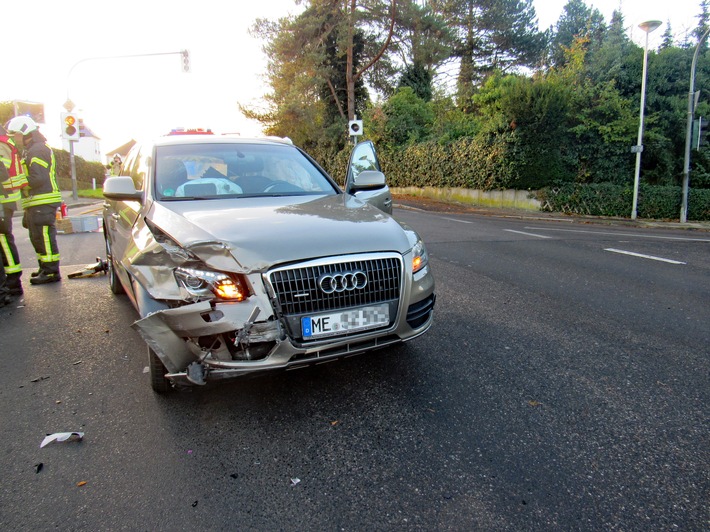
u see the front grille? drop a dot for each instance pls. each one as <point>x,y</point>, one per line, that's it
<point>297,292</point>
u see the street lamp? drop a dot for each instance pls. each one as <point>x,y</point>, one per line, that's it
<point>647,27</point>
<point>689,131</point>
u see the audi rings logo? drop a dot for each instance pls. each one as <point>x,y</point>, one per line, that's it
<point>340,282</point>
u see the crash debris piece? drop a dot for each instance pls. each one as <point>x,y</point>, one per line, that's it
<point>100,266</point>
<point>61,437</point>
<point>80,484</point>
<point>295,481</point>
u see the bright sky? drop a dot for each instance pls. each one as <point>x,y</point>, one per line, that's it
<point>120,99</point>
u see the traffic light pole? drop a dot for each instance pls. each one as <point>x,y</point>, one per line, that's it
<point>689,132</point>
<point>72,164</point>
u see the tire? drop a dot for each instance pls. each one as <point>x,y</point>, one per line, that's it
<point>157,374</point>
<point>113,281</point>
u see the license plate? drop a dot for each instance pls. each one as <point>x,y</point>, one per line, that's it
<point>348,321</point>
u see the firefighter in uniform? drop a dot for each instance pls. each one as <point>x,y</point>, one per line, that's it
<point>12,180</point>
<point>41,199</point>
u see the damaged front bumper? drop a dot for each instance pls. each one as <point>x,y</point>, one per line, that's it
<point>211,341</point>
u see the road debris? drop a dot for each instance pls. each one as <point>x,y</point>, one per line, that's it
<point>37,379</point>
<point>295,481</point>
<point>62,436</point>
<point>38,467</point>
<point>100,266</point>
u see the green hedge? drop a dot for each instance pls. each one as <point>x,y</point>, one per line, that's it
<point>488,163</point>
<point>605,199</point>
<point>86,171</point>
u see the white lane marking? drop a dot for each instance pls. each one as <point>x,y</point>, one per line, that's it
<point>526,234</point>
<point>455,220</point>
<point>651,257</point>
<point>620,234</point>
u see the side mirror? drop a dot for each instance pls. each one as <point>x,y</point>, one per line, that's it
<point>367,180</point>
<point>121,188</point>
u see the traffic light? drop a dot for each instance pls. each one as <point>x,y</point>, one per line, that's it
<point>355,127</point>
<point>185,61</point>
<point>70,126</point>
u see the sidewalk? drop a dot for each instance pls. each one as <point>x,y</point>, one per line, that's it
<point>82,205</point>
<point>435,205</point>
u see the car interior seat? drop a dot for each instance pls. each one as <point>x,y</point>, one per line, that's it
<point>248,175</point>
<point>169,175</point>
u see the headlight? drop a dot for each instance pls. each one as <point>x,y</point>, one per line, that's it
<point>419,256</point>
<point>205,283</point>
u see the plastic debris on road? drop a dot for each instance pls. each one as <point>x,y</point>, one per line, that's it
<point>62,436</point>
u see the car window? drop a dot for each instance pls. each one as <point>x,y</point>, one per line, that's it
<point>206,171</point>
<point>363,158</point>
<point>134,167</point>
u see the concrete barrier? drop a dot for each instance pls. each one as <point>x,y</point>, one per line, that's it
<point>515,199</point>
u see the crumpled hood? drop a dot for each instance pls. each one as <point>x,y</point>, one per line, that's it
<point>262,232</point>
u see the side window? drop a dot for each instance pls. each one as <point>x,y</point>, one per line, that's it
<point>133,167</point>
<point>363,158</point>
<point>140,170</point>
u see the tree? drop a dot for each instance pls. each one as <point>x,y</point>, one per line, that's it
<point>7,111</point>
<point>667,37</point>
<point>491,35</point>
<point>318,62</point>
<point>424,41</point>
<point>419,79</point>
<point>703,24</point>
<point>408,118</point>
<point>576,20</point>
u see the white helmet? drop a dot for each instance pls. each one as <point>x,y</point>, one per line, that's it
<point>21,124</point>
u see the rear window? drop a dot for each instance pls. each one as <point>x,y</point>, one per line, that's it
<point>206,171</point>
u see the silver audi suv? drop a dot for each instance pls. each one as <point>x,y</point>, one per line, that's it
<point>244,256</point>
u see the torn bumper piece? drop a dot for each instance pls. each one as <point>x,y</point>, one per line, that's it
<point>177,336</point>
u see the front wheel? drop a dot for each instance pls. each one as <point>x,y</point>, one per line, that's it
<point>113,280</point>
<point>157,372</point>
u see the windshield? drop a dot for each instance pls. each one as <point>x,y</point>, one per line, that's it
<point>209,171</point>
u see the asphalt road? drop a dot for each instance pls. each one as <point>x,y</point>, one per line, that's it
<point>563,386</point>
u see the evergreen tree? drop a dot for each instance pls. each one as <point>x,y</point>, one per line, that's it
<point>703,24</point>
<point>491,35</point>
<point>667,38</point>
<point>317,66</point>
<point>576,20</point>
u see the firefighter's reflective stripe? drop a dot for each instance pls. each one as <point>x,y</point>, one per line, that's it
<point>11,197</point>
<point>52,255</point>
<point>48,197</point>
<point>12,266</point>
<point>16,180</point>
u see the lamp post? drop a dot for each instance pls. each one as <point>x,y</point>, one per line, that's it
<point>689,131</point>
<point>647,27</point>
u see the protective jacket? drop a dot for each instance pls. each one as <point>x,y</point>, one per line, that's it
<point>16,178</point>
<point>41,168</point>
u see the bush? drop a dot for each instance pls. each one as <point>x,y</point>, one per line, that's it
<point>606,199</point>
<point>86,171</point>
